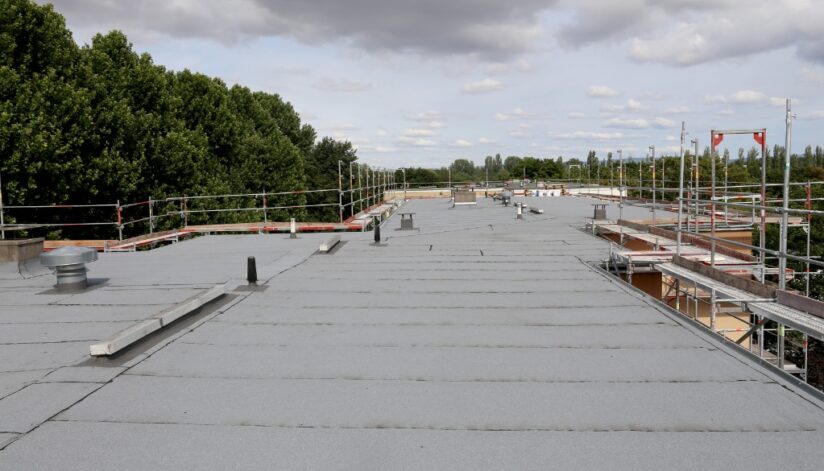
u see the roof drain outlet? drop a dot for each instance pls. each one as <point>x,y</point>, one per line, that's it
<point>69,264</point>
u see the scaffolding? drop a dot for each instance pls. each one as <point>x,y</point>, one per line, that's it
<point>694,258</point>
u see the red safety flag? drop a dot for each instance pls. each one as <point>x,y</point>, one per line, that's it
<point>717,138</point>
<point>759,137</point>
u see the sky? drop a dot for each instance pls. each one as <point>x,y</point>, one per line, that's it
<point>425,82</point>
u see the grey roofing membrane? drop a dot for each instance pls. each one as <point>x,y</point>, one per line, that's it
<point>477,342</point>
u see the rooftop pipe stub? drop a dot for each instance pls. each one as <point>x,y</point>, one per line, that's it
<point>69,264</point>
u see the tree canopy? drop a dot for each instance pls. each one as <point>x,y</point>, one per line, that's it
<point>101,122</point>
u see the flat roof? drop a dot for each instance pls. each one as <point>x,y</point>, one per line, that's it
<point>479,341</point>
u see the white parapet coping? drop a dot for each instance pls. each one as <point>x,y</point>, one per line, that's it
<point>132,334</point>
<point>325,247</point>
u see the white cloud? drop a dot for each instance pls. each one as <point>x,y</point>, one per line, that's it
<point>417,132</point>
<point>635,105</point>
<point>631,106</point>
<point>613,108</point>
<point>500,68</point>
<point>588,135</point>
<point>746,97</point>
<point>627,123</point>
<point>680,32</point>
<point>463,143</point>
<point>431,115</point>
<point>520,132</point>
<point>484,140</point>
<point>428,119</point>
<point>517,113</point>
<point>677,110</point>
<point>778,102</point>
<point>576,115</point>
<point>815,115</point>
<point>381,132</point>
<point>417,141</point>
<point>726,29</point>
<point>483,86</point>
<point>726,112</point>
<point>663,123</point>
<point>366,147</point>
<point>602,91</point>
<point>653,96</point>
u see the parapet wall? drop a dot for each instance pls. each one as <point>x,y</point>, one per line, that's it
<point>20,250</point>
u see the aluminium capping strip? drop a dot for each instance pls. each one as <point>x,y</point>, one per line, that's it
<point>798,320</point>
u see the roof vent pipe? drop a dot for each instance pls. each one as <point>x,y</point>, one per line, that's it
<point>69,264</point>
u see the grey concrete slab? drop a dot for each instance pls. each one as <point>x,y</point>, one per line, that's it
<point>348,285</point>
<point>41,356</point>
<point>154,295</point>
<point>439,275</point>
<point>31,297</point>
<point>69,314</point>
<point>50,332</point>
<point>652,336</point>
<point>450,405</point>
<point>6,438</point>
<point>31,406</point>
<point>380,300</point>
<point>206,260</point>
<point>272,314</point>
<point>84,446</point>
<point>444,364</point>
<point>83,374</point>
<point>11,382</point>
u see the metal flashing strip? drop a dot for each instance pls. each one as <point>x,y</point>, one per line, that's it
<point>798,320</point>
<point>128,336</point>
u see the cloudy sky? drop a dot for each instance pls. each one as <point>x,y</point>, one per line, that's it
<point>422,82</point>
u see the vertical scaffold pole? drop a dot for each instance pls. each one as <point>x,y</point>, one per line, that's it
<point>782,250</point>
<point>151,215</point>
<point>119,221</point>
<point>712,200</point>
<point>621,192</point>
<point>265,216</point>
<point>340,192</point>
<point>654,197</point>
<point>351,192</point>
<point>680,192</point>
<point>809,230</point>
<point>713,312</point>
<point>697,183</point>
<point>185,210</point>
<point>762,231</point>
<point>360,189</point>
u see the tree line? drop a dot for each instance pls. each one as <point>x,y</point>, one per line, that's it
<point>745,167</point>
<point>101,122</point>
